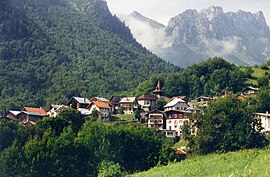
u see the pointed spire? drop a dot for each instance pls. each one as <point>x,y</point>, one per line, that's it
<point>158,92</point>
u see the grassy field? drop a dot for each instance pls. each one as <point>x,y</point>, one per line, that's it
<point>246,163</point>
<point>257,72</point>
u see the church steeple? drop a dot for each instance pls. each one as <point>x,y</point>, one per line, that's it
<point>158,92</point>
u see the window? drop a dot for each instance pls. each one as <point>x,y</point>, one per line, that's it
<point>175,126</point>
<point>177,108</point>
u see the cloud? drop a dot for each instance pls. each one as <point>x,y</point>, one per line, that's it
<point>149,35</point>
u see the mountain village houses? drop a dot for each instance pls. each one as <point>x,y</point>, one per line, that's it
<point>175,114</point>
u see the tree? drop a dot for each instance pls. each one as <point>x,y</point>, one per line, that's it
<point>263,81</point>
<point>227,126</point>
<point>263,101</point>
<point>121,110</point>
<point>137,115</point>
<point>109,169</point>
<point>160,104</point>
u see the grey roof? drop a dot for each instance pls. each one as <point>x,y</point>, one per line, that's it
<point>174,102</point>
<point>82,100</point>
<point>102,99</point>
<point>32,113</point>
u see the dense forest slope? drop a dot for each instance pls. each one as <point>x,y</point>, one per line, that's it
<point>52,50</point>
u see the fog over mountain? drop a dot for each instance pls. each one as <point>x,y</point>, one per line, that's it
<point>192,36</point>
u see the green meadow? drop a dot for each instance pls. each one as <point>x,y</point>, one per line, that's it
<point>242,163</point>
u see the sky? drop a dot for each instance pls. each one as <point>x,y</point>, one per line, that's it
<point>163,10</point>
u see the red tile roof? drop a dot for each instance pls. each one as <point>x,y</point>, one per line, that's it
<point>101,104</point>
<point>36,110</point>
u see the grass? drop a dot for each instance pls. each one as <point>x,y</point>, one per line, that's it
<point>123,117</point>
<point>257,73</point>
<point>242,163</point>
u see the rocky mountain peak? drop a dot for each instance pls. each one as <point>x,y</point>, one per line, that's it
<point>192,36</point>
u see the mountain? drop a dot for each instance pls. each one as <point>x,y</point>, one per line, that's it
<point>242,38</point>
<point>145,30</point>
<point>51,50</point>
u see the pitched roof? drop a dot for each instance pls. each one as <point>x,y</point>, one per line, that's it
<point>174,102</point>
<point>250,88</point>
<point>39,111</point>
<point>116,99</point>
<point>84,111</point>
<point>155,112</point>
<point>81,100</point>
<point>128,100</point>
<point>32,113</point>
<point>15,112</point>
<point>148,97</point>
<point>99,99</point>
<point>101,104</point>
<point>158,88</point>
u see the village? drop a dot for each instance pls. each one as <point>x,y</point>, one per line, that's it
<point>170,120</point>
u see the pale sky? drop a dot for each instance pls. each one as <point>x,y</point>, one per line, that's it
<point>163,10</point>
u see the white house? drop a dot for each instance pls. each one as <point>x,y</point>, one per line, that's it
<point>176,104</point>
<point>102,107</point>
<point>129,104</point>
<point>265,120</point>
<point>55,110</point>
<point>147,102</point>
<point>175,120</point>
<point>155,119</point>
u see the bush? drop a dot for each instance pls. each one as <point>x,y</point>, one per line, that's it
<point>109,169</point>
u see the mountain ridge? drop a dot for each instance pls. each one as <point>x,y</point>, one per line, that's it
<point>193,36</point>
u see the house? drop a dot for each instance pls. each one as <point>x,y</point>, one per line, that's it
<point>78,102</point>
<point>115,101</point>
<point>147,102</point>
<point>224,93</point>
<point>55,110</point>
<point>175,120</point>
<point>265,121</point>
<point>156,119</point>
<point>185,98</point>
<point>169,133</point>
<point>104,100</point>
<point>194,109</point>
<point>94,99</point>
<point>158,92</point>
<point>39,110</point>
<point>202,101</point>
<point>129,104</point>
<point>250,90</point>
<point>13,115</point>
<point>176,104</point>
<point>25,117</point>
<point>102,107</point>
<point>241,97</point>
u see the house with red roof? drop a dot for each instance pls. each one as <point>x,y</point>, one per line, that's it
<point>102,107</point>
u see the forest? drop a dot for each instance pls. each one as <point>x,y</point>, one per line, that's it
<point>53,50</point>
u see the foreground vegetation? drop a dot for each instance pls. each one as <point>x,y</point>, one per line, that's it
<point>72,145</point>
<point>253,162</point>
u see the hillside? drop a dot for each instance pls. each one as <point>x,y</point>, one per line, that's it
<point>240,37</point>
<point>243,163</point>
<point>53,50</point>
<point>256,72</point>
